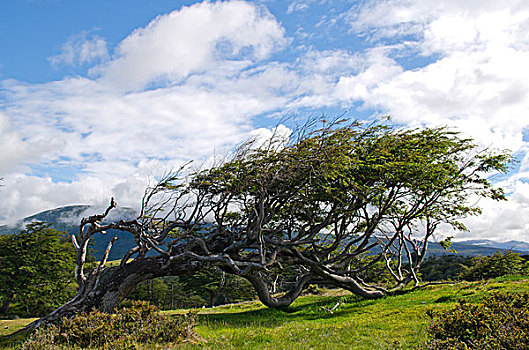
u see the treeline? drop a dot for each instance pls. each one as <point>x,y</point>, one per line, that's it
<point>205,288</point>
<point>465,268</point>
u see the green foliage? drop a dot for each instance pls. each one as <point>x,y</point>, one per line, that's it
<point>501,321</point>
<point>218,287</point>
<point>322,198</point>
<point>313,289</point>
<point>444,267</point>
<point>456,267</point>
<point>446,244</point>
<point>140,323</point>
<point>37,269</point>
<point>337,164</point>
<point>496,265</point>
<point>164,292</point>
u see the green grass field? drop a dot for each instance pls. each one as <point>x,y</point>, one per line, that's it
<point>395,322</point>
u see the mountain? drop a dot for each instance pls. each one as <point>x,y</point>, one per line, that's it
<point>509,245</point>
<point>466,249</point>
<point>67,219</point>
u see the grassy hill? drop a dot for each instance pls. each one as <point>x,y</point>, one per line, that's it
<point>395,322</point>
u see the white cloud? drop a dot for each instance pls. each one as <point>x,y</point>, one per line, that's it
<point>397,17</point>
<point>96,125</point>
<point>482,94</point>
<point>275,138</point>
<point>103,137</point>
<point>18,150</point>
<point>188,85</point>
<point>193,40</point>
<point>80,49</point>
<point>502,220</point>
<point>476,82</point>
<point>27,195</point>
<point>298,5</point>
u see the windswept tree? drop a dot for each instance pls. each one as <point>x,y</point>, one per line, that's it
<point>310,206</point>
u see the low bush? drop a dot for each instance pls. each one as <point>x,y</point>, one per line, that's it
<point>500,321</point>
<point>141,323</point>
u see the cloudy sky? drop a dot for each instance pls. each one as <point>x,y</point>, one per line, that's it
<point>98,96</point>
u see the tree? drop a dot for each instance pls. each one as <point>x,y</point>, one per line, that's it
<point>312,205</point>
<point>36,268</point>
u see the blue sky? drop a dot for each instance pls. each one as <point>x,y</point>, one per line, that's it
<point>98,97</point>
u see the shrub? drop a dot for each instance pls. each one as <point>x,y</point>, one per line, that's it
<point>314,289</point>
<point>141,323</point>
<point>501,321</point>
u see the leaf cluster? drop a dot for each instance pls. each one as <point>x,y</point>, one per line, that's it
<point>353,165</point>
<point>444,267</point>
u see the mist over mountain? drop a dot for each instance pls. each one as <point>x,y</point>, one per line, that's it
<point>508,245</point>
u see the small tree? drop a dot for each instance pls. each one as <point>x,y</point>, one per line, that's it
<point>311,205</point>
<point>36,268</point>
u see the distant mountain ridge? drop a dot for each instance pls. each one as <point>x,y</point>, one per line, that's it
<point>67,219</point>
<point>509,245</point>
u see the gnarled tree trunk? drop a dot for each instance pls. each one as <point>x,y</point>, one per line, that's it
<point>105,292</point>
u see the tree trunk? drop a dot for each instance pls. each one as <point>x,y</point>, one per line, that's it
<point>265,295</point>
<point>5,306</point>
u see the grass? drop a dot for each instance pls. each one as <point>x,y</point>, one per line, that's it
<point>394,322</point>
<point>10,326</point>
